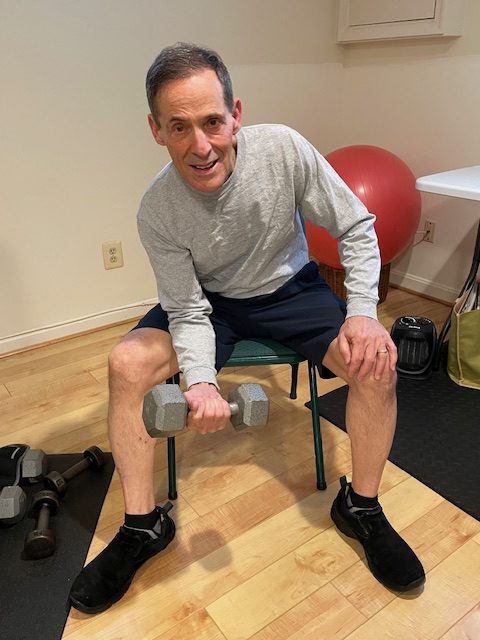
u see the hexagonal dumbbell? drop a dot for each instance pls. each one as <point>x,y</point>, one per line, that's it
<point>34,465</point>
<point>165,409</point>
<point>92,457</point>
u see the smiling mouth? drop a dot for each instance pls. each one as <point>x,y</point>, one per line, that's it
<point>204,167</point>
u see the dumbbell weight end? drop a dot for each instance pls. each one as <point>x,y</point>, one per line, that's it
<point>249,406</point>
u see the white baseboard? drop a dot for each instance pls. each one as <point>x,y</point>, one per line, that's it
<point>423,286</point>
<point>67,328</point>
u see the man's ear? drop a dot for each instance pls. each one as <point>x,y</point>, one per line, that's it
<point>156,131</point>
<point>237,115</point>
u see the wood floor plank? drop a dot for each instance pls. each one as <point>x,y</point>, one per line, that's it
<point>43,381</point>
<point>280,586</point>
<point>39,362</point>
<point>43,420</point>
<point>468,628</point>
<point>199,626</point>
<point>455,581</point>
<point>323,614</point>
<point>4,393</point>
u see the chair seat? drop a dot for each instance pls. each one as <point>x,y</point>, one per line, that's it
<point>262,351</point>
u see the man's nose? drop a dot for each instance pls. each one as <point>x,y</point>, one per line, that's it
<point>200,144</point>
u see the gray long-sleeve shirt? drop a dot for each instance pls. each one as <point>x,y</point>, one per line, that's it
<point>246,238</point>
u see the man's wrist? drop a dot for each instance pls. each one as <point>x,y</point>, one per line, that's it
<point>202,385</point>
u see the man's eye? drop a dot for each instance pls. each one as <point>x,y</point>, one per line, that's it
<point>214,122</point>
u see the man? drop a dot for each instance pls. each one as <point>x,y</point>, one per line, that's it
<point>221,225</point>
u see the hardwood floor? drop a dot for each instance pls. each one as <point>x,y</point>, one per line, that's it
<point>256,555</point>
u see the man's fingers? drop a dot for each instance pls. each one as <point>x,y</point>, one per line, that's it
<point>208,415</point>
<point>344,347</point>
<point>381,364</point>
<point>368,357</point>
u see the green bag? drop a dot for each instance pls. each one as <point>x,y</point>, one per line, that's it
<point>464,339</point>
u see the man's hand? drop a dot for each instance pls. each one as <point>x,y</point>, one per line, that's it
<point>208,410</point>
<point>366,347</point>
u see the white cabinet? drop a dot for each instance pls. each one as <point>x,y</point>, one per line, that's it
<point>384,19</point>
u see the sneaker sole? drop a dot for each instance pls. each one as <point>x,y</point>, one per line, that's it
<point>118,596</point>
<point>347,531</point>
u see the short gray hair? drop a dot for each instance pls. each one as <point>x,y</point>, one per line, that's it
<point>183,60</point>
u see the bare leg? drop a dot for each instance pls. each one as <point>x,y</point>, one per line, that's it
<point>141,360</point>
<point>371,417</point>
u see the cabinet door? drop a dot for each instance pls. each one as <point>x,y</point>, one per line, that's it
<point>371,12</point>
<point>384,19</point>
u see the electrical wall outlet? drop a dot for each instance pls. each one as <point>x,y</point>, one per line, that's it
<point>429,229</point>
<point>112,254</point>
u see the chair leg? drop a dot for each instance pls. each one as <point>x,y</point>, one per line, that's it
<point>317,436</point>
<point>171,458</point>
<point>293,387</point>
<point>172,469</point>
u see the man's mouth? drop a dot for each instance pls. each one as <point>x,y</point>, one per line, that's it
<point>204,167</point>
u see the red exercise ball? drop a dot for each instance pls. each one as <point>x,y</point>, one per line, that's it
<point>386,186</point>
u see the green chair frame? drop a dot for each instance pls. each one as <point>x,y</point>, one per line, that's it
<point>256,352</point>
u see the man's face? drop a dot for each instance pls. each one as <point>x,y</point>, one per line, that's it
<point>198,130</point>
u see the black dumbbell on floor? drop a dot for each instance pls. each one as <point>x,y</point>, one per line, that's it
<point>40,543</point>
<point>93,457</point>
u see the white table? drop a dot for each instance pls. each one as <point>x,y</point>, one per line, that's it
<point>459,183</point>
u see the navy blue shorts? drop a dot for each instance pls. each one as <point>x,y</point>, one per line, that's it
<point>303,314</point>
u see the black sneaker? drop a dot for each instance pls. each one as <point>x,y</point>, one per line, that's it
<point>391,560</point>
<point>105,580</point>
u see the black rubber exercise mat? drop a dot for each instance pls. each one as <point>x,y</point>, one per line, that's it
<point>33,593</point>
<point>437,438</point>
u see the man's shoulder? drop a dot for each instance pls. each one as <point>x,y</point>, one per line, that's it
<point>161,180</point>
<point>270,131</point>
<point>158,188</point>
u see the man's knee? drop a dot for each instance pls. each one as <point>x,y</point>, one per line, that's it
<point>380,389</point>
<point>384,386</point>
<point>144,357</point>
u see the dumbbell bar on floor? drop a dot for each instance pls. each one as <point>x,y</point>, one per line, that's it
<point>13,500</point>
<point>165,409</point>
<point>92,457</point>
<point>40,543</point>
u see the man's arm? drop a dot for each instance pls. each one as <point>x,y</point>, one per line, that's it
<point>193,337</point>
<point>181,296</point>
<point>327,201</point>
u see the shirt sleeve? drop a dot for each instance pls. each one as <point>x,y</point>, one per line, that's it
<point>181,296</point>
<point>326,201</point>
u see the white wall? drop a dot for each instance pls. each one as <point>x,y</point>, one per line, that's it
<point>421,100</point>
<point>76,153</point>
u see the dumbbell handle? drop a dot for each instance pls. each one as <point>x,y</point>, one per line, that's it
<point>75,469</point>
<point>43,517</point>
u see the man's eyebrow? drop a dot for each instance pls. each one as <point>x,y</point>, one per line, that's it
<point>217,116</point>
<point>176,119</point>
